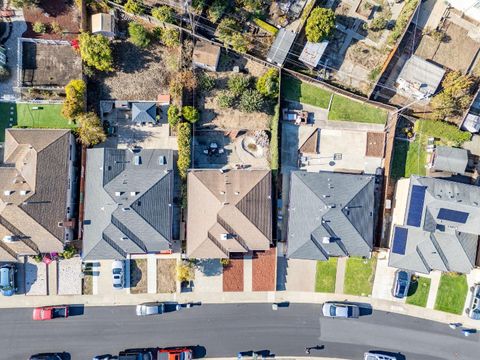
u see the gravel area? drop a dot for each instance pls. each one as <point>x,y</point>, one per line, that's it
<point>70,276</point>
<point>263,271</point>
<point>35,278</point>
<point>233,275</point>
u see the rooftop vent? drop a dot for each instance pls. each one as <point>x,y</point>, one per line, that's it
<point>118,193</point>
<point>8,239</point>
<point>162,160</point>
<point>126,209</point>
<point>133,193</point>
<point>326,240</point>
<point>7,192</point>
<point>237,193</point>
<point>137,160</point>
<point>226,236</point>
<point>124,238</point>
<point>23,192</point>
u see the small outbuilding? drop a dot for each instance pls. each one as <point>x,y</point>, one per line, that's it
<point>206,55</point>
<point>449,159</point>
<point>313,52</point>
<point>103,24</point>
<point>281,46</point>
<point>144,112</point>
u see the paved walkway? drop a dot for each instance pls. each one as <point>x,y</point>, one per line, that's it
<point>432,295</point>
<point>340,279</point>
<point>152,273</point>
<point>247,273</point>
<point>384,278</point>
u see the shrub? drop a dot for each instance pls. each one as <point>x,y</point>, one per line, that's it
<point>23,3</point>
<point>95,51</point>
<point>74,103</point>
<point>68,252</point>
<point>56,28</point>
<point>266,26</point>
<point>170,37</point>
<point>198,6</point>
<point>238,83</point>
<point>225,262</point>
<point>253,6</point>
<point>39,28</point>
<point>4,73</point>
<point>251,101</point>
<point>164,13</point>
<point>134,7</point>
<point>184,151</point>
<point>176,88</point>
<point>229,32</point>
<point>225,100</point>
<point>188,79</point>
<point>274,123</point>
<point>378,24</point>
<point>216,10</point>
<point>90,130</point>
<point>38,258</point>
<point>138,35</point>
<point>320,24</point>
<point>174,115</point>
<point>207,82</point>
<point>267,84</point>
<point>185,271</point>
<point>190,114</point>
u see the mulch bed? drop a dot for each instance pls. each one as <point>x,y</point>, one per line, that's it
<point>49,11</point>
<point>138,276</point>
<point>166,275</point>
<point>233,275</point>
<point>263,270</point>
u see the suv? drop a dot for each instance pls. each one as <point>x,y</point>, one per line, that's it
<point>401,284</point>
<point>137,354</point>
<point>7,279</point>
<point>474,311</point>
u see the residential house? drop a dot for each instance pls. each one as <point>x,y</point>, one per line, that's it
<point>128,202</point>
<point>103,24</point>
<point>206,55</point>
<point>450,160</point>
<point>330,214</point>
<point>228,212</point>
<point>37,198</point>
<point>469,8</point>
<point>436,225</point>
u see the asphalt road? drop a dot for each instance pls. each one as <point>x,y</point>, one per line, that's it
<point>225,330</point>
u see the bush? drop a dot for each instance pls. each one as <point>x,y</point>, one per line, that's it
<point>225,100</point>
<point>267,84</point>
<point>174,115</point>
<point>216,10</point>
<point>170,37</point>
<point>198,6</point>
<point>251,101</point>
<point>378,24</point>
<point>39,28</point>
<point>225,262</point>
<point>184,151</point>
<point>138,35</point>
<point>190,114</point>
<point>38,258</point>
<point>238,83</point>
<point>266,26</point>
<point>56,28</point>
<point>442,130</point>
<point>229,32</point>
<point>188,79</point>
<point>207,82</point>
<point>320,24</point>
<point>253,6</point>
<point>68,252</point>
<point>4,73</point>
<point>74,103</point>
<point>185,271</point>
<point>402,21</point>
<point>176,88</point>
<point>274,123</point>
<point>95,51</point>
<point>164,13</point>
<point>134,7</point>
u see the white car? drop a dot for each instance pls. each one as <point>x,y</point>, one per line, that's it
<point>152,308</point>
<point>341,310</point>
<point>373,355</point>
<point>117,274</point>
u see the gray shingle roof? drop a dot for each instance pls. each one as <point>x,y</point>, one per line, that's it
<point>128,209</point>
<point>450,159</point>
<point>144,112</point>
<point>438,243</point>
<point>281,46</point>
<point>334,206</point>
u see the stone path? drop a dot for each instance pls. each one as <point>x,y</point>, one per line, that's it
<point>339,280</point>
<point>247,272</point>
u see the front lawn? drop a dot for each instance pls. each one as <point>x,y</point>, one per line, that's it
<point>418,292</point>
<point>452,293</point>
<point>297,90</point>
<point>345,109</point>
<point>326,275</point>
<point>359,276</point>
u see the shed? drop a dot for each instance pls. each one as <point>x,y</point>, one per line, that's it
<point>144,112</point>
<point>281,46</point>
<point>471,123</point>
<point>313,52</point>
<point>420,77</point>
<point>453,160</point>
<point>206,55</point>
<point>103,24</point>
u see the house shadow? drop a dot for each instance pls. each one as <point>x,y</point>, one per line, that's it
<point>209,267</point>
<point>262,354</point>
<point>282,265</point>
<point>136,274</point>
<point>31,273</point>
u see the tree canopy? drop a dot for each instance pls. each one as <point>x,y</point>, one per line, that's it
<point>138,35</point>
<point>90,130</point>
<point>190,114</point>
<point>74,103</point>
<point>134,7</point>
<point>164,13</point>
<point>320,24</point>
<point>267,84</point>
<point>95,51</point>
<point>230,33</point>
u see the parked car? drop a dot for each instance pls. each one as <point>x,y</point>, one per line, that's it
<point>117,274</point>
<point>7,279</point>
<point>341,310</point>
<point>401,284</point>
<point>151,308</point>
<point>474,310</point>
<point>50,312</point>
<point>104,357</point>
<point>175,354</point>
<point>50,356</point>
<point>137,354</point>
<point>374,355</point>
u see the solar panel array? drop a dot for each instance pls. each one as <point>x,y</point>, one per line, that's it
<point>400,240</point>
<point>415,210</point>
<point>453,215</point>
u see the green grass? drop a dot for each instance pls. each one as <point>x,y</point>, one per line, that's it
<point>344,109</point>
<point>452,293</point>
<point>449,134</point>
<point>416,156</point>
<point>359,276</point>
<point>297,90</point>
<point>266,26</point>
<point>418,292</point>
<point>274,159</point>
<point>400,151</point>
<point>326,275</point>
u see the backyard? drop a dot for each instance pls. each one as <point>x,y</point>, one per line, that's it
<point>452,293</point>
<point>326,275</point>
<point>359,276</point>
<point>418,291</point>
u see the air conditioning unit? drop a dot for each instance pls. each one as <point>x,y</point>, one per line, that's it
<point>7,192</point>
<point>326,240</point>
<point>8,239</point>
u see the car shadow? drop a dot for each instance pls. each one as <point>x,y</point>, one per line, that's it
<point>263,354</point>
<point>398,356</point>
<point>76,310</point>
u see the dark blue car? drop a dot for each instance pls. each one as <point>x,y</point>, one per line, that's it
<point>401,284</point>
<point>7,279</point>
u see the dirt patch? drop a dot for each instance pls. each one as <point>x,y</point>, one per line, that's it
<point>166,275</point>
<point>375,144</point>
<point>233,275</point>
<point>87,285</point>
<point>64,13</point>
<point>264,270</point>
<point>138,276</point>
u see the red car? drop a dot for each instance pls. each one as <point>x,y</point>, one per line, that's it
<point>174,354</point>
<point>50,312</point>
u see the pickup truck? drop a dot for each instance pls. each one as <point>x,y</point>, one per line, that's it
<point>50,312</point>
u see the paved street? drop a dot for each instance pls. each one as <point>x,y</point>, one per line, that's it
<point>224,330</point>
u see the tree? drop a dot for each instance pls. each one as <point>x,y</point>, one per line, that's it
<point>378,24</point>
<point>39,27</point>
<point>138,35</point>
<point>198,6</point>
<point>320,24</point>
<point>251,101</point>
<point>225,99</point>
<point>238,83</point>
<point>134,7</point>
<point>184,151</point>
<point>240,43</point>
<point>267,84</point>
<point>95,51</point>
<point>176,88</point>
<point>216,10</point>
<point>23,3</point>
<point>253,6</point>
<point>74,103</point>
<point>164,13</point>
<point>188,79</point>
<point>207,82</point>
<point>185,271</point>
<point>230,33</point>
<point>190,114</point>
<point>455,97</point>
<point>90,130</point>
<point>170,37</point>
<point>174,115</point>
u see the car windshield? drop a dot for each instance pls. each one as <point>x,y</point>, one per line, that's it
<point>117,285</point>
<point>350,311</point>
<point>333,310</point>
<point>117,271</point>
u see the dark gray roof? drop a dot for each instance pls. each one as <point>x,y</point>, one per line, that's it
<point>450,159</point>
<point>445,243</point>
<point>144,112</point>
<point>128,202</point>
<point>330,206</point>
<point>281,46</point>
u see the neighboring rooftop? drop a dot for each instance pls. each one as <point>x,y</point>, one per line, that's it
<point>144,112</point>
<point>313,52</point>
<point>281,46</point>
<point>330,214</point>
<point>228,212</point>
<point>128,208</point>
<point>453,160</point>
<point>440,227</point>
<point>206,55</point>
<point>103,24</point>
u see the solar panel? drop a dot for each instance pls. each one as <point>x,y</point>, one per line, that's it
<point>400,240</point>
<point>417,198</point>
<point>453,215</point>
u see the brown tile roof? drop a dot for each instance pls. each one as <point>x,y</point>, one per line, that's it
<point>237,203</point>
<point>375,144</point>
<point>205,53</point>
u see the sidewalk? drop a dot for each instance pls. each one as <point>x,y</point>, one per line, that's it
<point>232,298</point>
